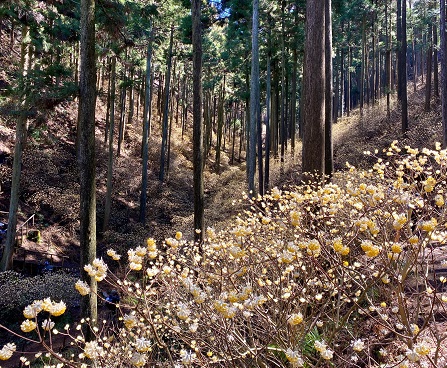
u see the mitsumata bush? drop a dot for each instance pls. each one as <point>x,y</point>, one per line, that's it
<point>341,273</point>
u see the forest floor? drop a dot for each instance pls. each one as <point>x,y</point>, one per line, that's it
<point>50,189</point>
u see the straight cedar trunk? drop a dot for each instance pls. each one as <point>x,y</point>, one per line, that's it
<point>220,123</point>
<point>293,101</point>
<point>443,49</point>
<point>348,82</point>
<point>336,107</point>
<point>435,62</point>
<point>363,67</point>
<point>171,114</point>
<point>131,98</point>
<point>428,77</point>
<point>275,110</point>
<point>268,109</point>
<point>111,130</point>
<point>413,48</point>
<point>87,164</point>
<point>197,123</point>
<point>328,150</point>
<point>122,126</point>
<point>399,50</point>
<point>8,250</point>
<point>282,125</point>
<point>164,140</point>
<point>387,64</point>
<point>234,133</point>
<point>403,69</point>
<point>146,128</point>
<point>255,123</point>
<point>314,91</point>
<point>106,133</point>
<point>342,100</point>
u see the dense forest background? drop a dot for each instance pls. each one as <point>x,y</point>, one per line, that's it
<point>254,74</point>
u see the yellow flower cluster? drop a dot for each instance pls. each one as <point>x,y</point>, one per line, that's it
<point>370,249</point>
<point>112,254</point>
<point>429,225</point>
<point>294,357</point>
<point>98,269</point>
<point>92,350</point>
<point>295,319</point>
<point>82,287</point>
<point>7,351</point>
<point>324,351</point>
<point>339,247</point>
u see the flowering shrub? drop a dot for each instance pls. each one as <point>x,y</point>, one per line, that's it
<point>335,274</point>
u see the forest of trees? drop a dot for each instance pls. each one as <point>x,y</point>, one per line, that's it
<point>255,76</point>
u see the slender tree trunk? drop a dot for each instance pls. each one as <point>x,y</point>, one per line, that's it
<point>403,69</point>
<point>87,165</point>
<point>8,250</point>
<point>399,50</point>
<point>131,98</point>
<point>387,65</point>
<point>111,129</point>
<point>336,106</point>
<point>164,141</point>
<point>106,133</point>
<point>428,77</point>
<point>219,133</point>
<point>328,151</point>
<point>363,68</point>
<point>282,126</point>
<point>254,108</point>
<point>315,82</point>
<point>267,118</point>
<point>342,82</point>
<point>146,128</point>
<point>348,82</point>
<point>443,49</point>
<point>293,101</point>
<point>435,62</point>
<point>122,126</point>
<point>197,123</point>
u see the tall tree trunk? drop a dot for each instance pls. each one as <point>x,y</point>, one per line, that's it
<point>403,69</point>
<point>164,140</point>
<point>197,123</point>
<point>328,151</point>
<point>443,49</point>
<point>267,117</point>
<point>87,165</point>
<point>348,82</point>
<point>435,62</point>
<point>282,126</point>
<point>293,100</point>
<point>387,64</point>
<point>131,98</point>
<point>314,92</point>
<point>428,76</point>
<point>8,250</point>
<point>106,133</point>
<point>111,130</point>
<point>363,67</point>
<point>146,128</point>
<point>342,82</point>
<point>399,50</point>
<point>336,106</point>
<point>254,105</point>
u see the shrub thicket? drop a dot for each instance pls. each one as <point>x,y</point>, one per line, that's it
<point>337,274</point>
